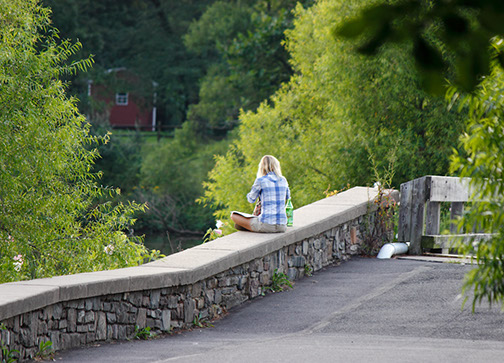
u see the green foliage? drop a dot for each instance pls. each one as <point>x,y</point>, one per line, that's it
<point>144,36</point>
<point>465,28</point>
<point>308,270</point>
<point>201,322</point>
<point>379,228</point>
<point>279,282</point>
<point>249,62</point>
<point>120,160</point>
<point>51,222</point>
<point>144,333</point>
<point>336,108</point>
<point>45,351</point>
<point>171,176</point>
<point>483,161</point>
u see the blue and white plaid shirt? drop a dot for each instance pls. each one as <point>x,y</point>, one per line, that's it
<point>274,192</point>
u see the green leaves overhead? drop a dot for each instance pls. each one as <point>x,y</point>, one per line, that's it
<point>465,27</point>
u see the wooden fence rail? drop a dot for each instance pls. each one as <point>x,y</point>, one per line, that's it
<point>419,212</point>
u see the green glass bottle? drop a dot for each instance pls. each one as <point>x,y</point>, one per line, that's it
<point>289,210</point>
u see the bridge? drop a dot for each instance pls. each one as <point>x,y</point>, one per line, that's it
<point>183,290</point>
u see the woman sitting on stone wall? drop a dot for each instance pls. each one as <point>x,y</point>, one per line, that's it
<point>273,191</point>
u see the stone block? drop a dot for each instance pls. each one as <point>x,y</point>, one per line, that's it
<point>197,288</point>
<point>63,324</point>
<point>264,279</point>
<point>189,307</point>
<point>292,273</point>
<point>70,340</point>
<point>305,247</point>
<point>16,324</point>
<point>212,283</point>
<point>123,332</point>
<point>54,337</point>
<point>72,320</point>
<point>218,297</point>
<point>72,304</point>
<point>80,316</point>
<point>200,302</point>
<point>166,320</point>
<point>111,318</point>
<point>238,270</point>
<point>88,305</point>
<point>141,317</point>
<point>101,326</point>
<point>89,317</point>
<point>135,298</point>
<point>236,299</point>
<point>228,290</point>
<point>90,337</point>
<point>209,296</point>
<point>154,299</point>
<point>297,261</point>
<point>172,302</point>
<point>42,328</point>
<point>242,282</point>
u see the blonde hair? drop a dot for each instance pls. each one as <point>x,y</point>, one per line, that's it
<point>269,163</point>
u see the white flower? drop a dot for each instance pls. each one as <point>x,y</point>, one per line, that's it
<point>219,224</point>
<point>109,249</point>
<point>218,231</point>
<point>18,262</point>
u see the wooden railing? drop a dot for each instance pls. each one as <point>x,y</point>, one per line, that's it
<point>419,212</point>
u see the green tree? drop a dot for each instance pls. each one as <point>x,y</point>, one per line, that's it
<point>171,176</point>
<point>337,109</point>
<point>249,61</point>
<point>144,36</point>
<point>50,222</point>
<point>473,32</point>
<point>483,161</point>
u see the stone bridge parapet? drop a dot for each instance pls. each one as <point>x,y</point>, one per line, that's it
<point>185,289</point>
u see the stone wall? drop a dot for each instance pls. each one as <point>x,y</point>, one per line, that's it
<point>115,316</point>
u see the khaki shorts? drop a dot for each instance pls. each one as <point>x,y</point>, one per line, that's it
<point>258,226</point>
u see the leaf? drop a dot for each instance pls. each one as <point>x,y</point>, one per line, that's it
<point>352,28</point>
<point>427,57</point>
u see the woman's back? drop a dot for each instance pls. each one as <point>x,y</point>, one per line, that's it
<point>273,192</point>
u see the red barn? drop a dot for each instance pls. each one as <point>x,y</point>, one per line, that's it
<point>123,95</point>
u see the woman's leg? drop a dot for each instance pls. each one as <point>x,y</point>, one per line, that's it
<point>241,221</point>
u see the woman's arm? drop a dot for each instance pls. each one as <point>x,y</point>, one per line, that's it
<point>254,192</point>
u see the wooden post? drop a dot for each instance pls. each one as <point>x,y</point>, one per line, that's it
<point>457,208</point>
<point>432,218</point>
<point>417,215</point>
<point>404,228</point>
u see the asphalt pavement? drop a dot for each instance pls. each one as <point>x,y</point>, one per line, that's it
<point>364,310</point>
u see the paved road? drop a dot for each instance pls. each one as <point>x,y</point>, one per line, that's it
<point>365,310</point>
